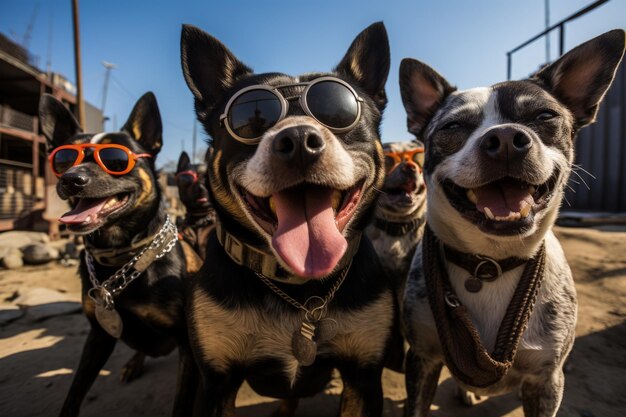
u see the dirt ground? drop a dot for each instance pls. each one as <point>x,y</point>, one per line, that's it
<point>37,358</point>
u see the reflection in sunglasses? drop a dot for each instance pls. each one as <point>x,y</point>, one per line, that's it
<point>255,109</point>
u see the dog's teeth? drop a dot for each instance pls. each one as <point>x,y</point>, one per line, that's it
<point>272,205</point>
<point>110,202</point>
<point>531,189</point>
<point>88,219</point>
<point>524,211</point>
<point>471,196</point>
<point>336,199</point>
<point>489,213</point>
<point>511,217</point>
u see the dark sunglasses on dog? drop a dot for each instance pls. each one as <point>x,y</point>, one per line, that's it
<point>112,158</point>
<point>414,156</point>
<point>255,109</point>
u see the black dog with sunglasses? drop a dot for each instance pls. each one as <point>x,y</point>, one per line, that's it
<point>200,217</point>
<point>133,267</point>
<point>287,293</point>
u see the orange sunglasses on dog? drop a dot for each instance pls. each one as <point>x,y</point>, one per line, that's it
<point>393,159</point>
<point>112,158</point>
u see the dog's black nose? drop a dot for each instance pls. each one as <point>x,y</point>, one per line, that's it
<point>409,168</point>
<point>506,143</point>
<point>299,144</point>
<point>74,182</point>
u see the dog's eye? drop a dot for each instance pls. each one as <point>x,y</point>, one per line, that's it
<point>451,126</point>
<point>545,115</point>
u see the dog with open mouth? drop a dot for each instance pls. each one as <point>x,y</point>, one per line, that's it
<point>133,267</point>
<point>489,293</point>
<point>398,222</point>
<point>292,291</point>
<point>199,220</point>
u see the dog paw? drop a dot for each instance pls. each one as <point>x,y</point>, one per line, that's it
<point>133,368</point>
<point>468,398</point>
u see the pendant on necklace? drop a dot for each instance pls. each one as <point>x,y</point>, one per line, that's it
<point>473,284</point>
<point>304,341</point>
<point>106,315</point>
<point>302,344</point>
<point>110,320</point>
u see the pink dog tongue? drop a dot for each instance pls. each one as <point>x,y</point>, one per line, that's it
<point>502,197</point>
<point>82,211</point>
<point>307,238</point>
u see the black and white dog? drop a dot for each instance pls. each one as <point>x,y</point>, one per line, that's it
<point>497,160</point>
<point>287,293</point>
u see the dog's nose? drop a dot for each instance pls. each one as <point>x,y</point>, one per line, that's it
<point>506,143</point>
<point>300,144</point>
<point>409,168</point>
<point>74,182</point>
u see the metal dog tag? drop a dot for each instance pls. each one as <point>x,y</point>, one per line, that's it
<point>302,344</point>
<point>110,320</point>
<point>326,330</point>
<point>473,284</point>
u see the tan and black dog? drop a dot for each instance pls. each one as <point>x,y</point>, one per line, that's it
<point>199,219</point>
<point>398,222</point>
<point>132,268</point>
<point>490,293</point>
<point>292,291</point>
<point>399,219</point>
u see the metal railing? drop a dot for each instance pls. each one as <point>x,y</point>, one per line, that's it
<point>560,25</point>
<point>16,191</point>
<point>16,119</point>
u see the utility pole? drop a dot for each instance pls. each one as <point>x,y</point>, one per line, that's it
<point>80,105</point>
<point>108,67</point>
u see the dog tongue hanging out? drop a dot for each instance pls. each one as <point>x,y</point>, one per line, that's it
<point>294,165</point>
<point>293,175</point>
<point>307,237</point>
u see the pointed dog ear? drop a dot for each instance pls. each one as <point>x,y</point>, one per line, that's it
<point>144,124</point>
<point>58,124</point>
<point>208,66</point>
<point>581,77</point>
<point>367,62</point>
<point>422,90</point>
<point>184,163</point>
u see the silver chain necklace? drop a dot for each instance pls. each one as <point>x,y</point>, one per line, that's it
<point>103,293</point>
<point>315,327</point>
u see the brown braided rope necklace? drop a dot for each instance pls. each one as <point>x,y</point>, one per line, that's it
<point>465,355</point>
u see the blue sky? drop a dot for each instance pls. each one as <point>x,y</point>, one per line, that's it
<point>466,41</point>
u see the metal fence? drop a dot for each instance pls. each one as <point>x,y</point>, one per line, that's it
<point>599,180</point>
<point>16,190</point>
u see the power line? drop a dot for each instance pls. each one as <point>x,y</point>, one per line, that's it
<point>134,97</point>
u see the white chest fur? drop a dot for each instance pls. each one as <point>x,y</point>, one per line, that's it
<point>546,333</point>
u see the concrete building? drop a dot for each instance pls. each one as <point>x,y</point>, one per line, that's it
<point>27,196</point>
